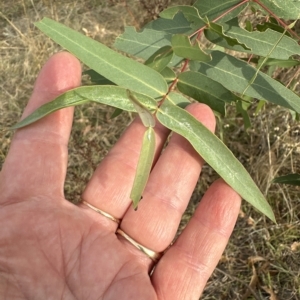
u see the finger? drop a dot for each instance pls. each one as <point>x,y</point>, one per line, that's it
<point>110,186</point>
<point>183,271</point>
<point>169,190</point>
<point>38,154</point>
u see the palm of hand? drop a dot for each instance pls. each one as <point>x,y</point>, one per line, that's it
<point>52,249</point>
<point>63,252</point>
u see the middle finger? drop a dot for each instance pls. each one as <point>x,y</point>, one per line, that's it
<point>110,186</point>
<point>168,190</point>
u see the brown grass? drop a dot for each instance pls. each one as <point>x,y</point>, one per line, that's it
<point>262,260</point>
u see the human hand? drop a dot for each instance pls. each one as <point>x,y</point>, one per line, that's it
<point>53,249</point>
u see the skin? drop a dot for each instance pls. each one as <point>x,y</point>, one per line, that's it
<point>52,249</point>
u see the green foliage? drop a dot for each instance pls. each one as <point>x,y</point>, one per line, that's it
<point>284,9</point>
<point>182,47</point>
<point>235,74</point>
<point>105,94</point>
<point>160,59</point>
<point>214,152</point>
<point>210,92</point>
<point>143,167</point>
<point>293,179</point>
<point>209,75</point>
<point>261,42</point>
<point>115,67</point>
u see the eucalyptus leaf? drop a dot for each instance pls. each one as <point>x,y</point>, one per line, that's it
<point>178,24</point>
<point>104,94</point>
<point>160,59</point>
<point>182,47</point>
<point>235,74</point>
<point>259,107</point>
<point>97,78</point>
<point>144,43</point>
<point>145,114</point>
<point>286,9</point>
<point>178,99</point>
<point>241,108</point>
<point>293,179</point>
<point>115,67</point>
<point>144,167</point>
<point>260,42</point>
<point>219,31</point>
<point>116,113</point>
<point>273,26</point>
<point>191,14</point>
<point>218,8</point>
<point>205,90</point>
<point>282,63</point>
<point>215,153</point>
<point>168,74</point>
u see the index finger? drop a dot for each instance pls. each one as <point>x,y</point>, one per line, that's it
<point>37,159</point>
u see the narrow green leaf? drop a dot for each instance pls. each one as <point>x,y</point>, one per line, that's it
<point>115,67</point>
<point>263,61</point>
<point>241,108</point>
<point>260,42</point>
<point>178,99</point>
<point>259,106</point>
<point>293,179</point>
<point>182,47</point>
<point>110,95</point>
<point>142,44</point>
<point>295,116</point>
<point>168,74</point>
<point>97,78</point>
<point>145,43</point>
<point>288,63</point>
<point>285,9</point>
<point>145,114</point>
<point>273,26</point>
<point>191,14</point>
<point>116,113</point>
<point>160,59</point>
<point>178,24</point>
<point>205,90</point>
<point>234,74</point>
<point>144,167</point>
<point>230,40</point>
<point>215,153</point>
<point>248,26</point>
<point>213,10</point>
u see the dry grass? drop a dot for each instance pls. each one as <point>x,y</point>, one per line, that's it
<point>262,260</point>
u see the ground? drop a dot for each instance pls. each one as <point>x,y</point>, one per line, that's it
<point>262,259</point>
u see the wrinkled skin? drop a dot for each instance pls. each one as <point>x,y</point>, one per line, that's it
<point>52,249</point>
